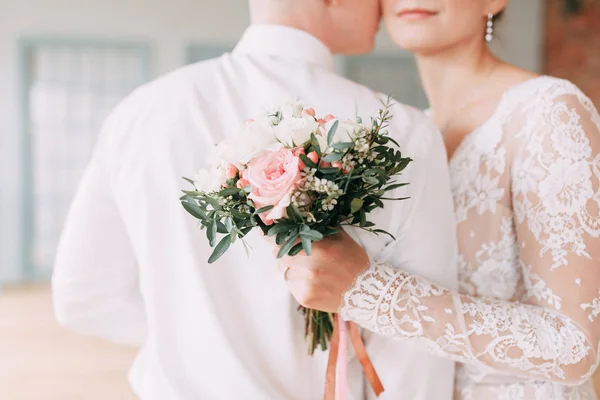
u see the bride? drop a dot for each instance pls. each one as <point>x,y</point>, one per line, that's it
<point>524,156</point>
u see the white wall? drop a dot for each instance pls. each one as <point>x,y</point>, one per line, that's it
<point>168,26</point>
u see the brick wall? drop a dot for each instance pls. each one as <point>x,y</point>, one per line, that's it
<point>572,48</point>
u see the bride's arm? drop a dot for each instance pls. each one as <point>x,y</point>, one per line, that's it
<point>554,333</point>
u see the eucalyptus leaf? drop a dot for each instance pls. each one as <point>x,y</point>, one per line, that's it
<point>211,233</point>
<point>263,210</point>
<point>220,249</point>
<point>356,205</point>
<point>312,235</point>
<point>229,191</point>
<point>296,249</point>
<point>331,133</point>
<point>193,208</point>
<point>342,145</point>
<point>287,246</point>
<point>307,246</point>
<point>333,157</point>
<point>307,161</point>
<point>294,213</point>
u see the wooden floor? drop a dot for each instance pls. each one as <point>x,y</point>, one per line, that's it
<point>40,361</point>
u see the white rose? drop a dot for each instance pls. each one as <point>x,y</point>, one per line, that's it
<point>209,181</point>
<point>258,137</point>
<point>295,131</point>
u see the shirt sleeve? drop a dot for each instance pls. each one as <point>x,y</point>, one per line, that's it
<point>95,280</point>
<point>553,333</point>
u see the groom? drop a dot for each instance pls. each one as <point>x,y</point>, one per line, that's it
<point>132,265</point>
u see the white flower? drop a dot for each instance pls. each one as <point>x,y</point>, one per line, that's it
<point>295,131</point>
<point>258,137</point>
<point>347,130</point>
<point>209,181</point>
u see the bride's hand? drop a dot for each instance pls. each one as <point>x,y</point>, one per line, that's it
<point>320,280</point>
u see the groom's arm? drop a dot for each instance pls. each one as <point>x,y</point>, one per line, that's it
<point>95,281</point>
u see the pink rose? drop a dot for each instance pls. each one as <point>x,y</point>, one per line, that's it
<point>274,176</point>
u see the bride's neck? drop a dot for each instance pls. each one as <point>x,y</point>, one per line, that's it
<point>450,75</point>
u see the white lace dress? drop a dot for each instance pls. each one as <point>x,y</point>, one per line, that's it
<point>526,323</point>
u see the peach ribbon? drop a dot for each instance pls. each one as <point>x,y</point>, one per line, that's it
<point>336,378</point>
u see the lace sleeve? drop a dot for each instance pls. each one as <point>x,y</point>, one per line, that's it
<point>553,333</point>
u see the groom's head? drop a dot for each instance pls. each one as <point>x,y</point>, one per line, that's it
<point>345,26</point>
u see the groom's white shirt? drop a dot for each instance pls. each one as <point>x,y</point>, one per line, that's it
<point>132,267</point>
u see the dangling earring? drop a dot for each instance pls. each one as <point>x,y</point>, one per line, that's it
<point>490,28</point>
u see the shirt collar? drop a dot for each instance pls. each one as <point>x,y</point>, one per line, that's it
<point>285,42</point>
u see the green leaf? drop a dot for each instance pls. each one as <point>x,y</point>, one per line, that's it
<point>189,180</point>
<point>287,246</point>
<point>294,213</point>
<point>315,144</point>
<point>333,157</point>
<point>221,228</point>
<point>220,249</point>
<point>296,249</point>
<point>194,209</point>
<point>312,235</point>
<point>229,191</point>
<point>329,170</point>
<point>307,246</point>
<point>211,232</point>
<point>233,234</point>
<point>281,227</point>
<point>239,215</point>
<point>342,145</point>
<point>331,133</point>
<point>356,205</point>
<point>263,210</point>
<point>307,161</point>
<point>228,224</point>
<point>395,186</point>
<point>281,236</point>
<point>363,218</point>
<point>384,232</point>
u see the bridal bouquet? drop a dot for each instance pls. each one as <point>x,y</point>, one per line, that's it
<point>299,179</point>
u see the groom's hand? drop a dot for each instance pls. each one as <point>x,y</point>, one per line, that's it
<point>320,280</point>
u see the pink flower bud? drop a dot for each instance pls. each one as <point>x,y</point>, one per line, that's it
<point>313,156</point>
<point>242,183</point>
<point>309,111</point>
<point>231,171</point>
<point>321,121</point>
<point>328,117</point>
<point>297,151</point>
<point>325,164</point>
<point>337,164</point>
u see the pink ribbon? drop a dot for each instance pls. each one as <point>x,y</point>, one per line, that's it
<point>341,373</point>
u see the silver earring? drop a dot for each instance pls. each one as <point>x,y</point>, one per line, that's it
<point>490,28</point>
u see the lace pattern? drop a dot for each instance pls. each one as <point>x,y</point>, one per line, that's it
<point>526,187</point>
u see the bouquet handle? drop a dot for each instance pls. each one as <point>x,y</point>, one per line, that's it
<point>336,376</point>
